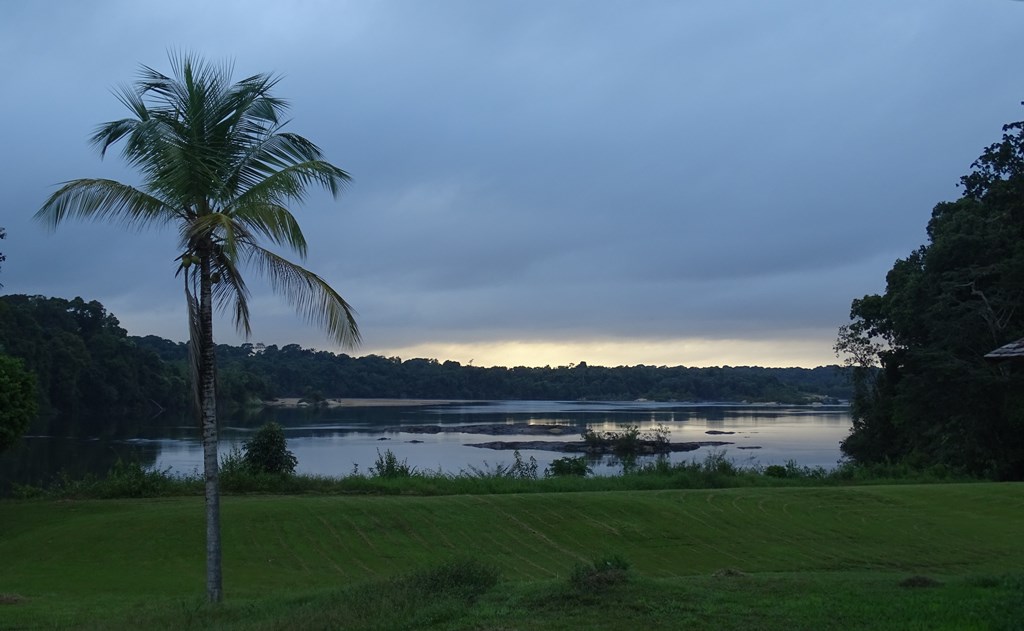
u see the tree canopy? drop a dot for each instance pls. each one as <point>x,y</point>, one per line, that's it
<point>936,399</point>
<point>84,362</point>
<point>17,400</point>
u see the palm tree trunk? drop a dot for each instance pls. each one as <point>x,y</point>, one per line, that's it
<point>208,413</point>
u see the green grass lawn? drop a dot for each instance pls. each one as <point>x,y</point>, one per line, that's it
<point>797,558</point>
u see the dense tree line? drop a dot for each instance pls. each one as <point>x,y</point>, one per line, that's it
<point>86,366</point>
<point>84,362</point>
<point>936,398</point>
<point>259,371</point>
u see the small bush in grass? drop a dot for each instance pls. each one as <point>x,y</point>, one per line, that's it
<point>267,451</point>
<point>920,581</point>
<point>568,466</point>
<point>775,471</point>
<point>603,572</point>
<point>388,466</point>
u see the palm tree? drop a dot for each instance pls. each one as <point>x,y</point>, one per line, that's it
<point>216,163</point>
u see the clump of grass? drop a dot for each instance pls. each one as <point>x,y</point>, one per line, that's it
<point>729,572</point>
<point>602,573</point>
<point>920,581</point>
<point>520,469</point>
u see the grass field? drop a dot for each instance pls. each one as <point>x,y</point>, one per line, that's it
<point>734,558</point>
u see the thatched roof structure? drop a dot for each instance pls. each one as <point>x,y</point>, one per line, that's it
<point>1013,350</point>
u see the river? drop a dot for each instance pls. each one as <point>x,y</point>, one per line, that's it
<point>338,441</point>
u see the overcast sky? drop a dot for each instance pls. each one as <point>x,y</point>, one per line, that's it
<point>706,182</point>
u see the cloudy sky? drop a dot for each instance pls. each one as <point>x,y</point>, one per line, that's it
<point>701,183</point>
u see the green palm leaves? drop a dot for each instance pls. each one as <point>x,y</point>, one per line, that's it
<point>215,162</point>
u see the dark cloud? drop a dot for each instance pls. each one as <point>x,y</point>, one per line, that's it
<point>543,172</point>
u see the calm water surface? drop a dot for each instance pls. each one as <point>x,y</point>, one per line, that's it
<point>337,441</point>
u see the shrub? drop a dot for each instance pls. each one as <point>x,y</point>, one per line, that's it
<point>267,451</point>
<point>568,466</point>
<point>522,469</point>
<point>388,466</point>
<point>131,479</point>
<point>629,442</point>
<point>232,462</point>
<point>715,463</point>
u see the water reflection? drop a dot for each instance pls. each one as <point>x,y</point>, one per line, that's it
<point>339,440</point>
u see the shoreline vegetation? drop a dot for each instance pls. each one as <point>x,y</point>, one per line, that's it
<point>390,475</point>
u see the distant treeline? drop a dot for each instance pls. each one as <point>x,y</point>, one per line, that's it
<point>291,371</point>
<point>87,365</point>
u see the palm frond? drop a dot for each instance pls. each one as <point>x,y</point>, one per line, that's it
<point>312,297</point>
<point>104,199</point>
<point>267,180</point>
<point>231,292</point>
<point>273,221</point>
<point>109,133</point>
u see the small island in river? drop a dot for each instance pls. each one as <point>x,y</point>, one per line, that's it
<point>575,446</point>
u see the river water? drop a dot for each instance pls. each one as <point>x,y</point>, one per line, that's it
<point>338,441</point>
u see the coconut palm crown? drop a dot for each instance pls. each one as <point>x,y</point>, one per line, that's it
<point>216,163</point>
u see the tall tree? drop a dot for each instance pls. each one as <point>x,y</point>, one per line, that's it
<point>216,163</point>
<point>936,400</point>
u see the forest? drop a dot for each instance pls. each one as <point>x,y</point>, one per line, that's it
<point>87,365</point>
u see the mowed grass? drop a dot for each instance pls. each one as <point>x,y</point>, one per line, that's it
<point>794,558</point>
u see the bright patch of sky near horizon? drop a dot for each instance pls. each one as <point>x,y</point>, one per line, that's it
<point>697,183</point>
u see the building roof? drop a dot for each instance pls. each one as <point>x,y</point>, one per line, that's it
<point>1013,350</point>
